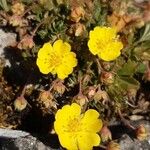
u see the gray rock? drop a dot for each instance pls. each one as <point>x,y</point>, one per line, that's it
<point>23,143</point>
<point>20,140</point>
<point>128,143</point>
<point>6,39</point>
<point>8,133</point>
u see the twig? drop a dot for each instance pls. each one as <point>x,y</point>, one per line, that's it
<point>4,15</point>
<point>54,83</point>
<point>37,27</point>
<point>26,11</point>
<point>102,146</point>
<point>126,122</point>
<point>23,91</point>
<point>127,102</point>
<point>80,86</point>
<point>99,66</point>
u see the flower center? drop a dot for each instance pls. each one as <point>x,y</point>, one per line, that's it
<point>74,125</point>
<point>55,60</point>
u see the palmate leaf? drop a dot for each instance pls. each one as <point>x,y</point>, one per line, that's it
<point>141,68</point>
<point>4,5</point>
<point>128,69</point>
<point>146,34</point>
<point>127,83</point>
<point>142,52</point>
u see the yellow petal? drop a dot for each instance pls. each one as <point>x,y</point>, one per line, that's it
<point>45,50</point>
<point>104,42</point>
<point>93,47</point>
<point>104,33</point>
<point>64,115</point>
<point>44,66</point>
<point>61,47</point>
<point>90,121</point>
<point>70,59</point>
<point>62,72</point>
<point>68,141</point>
<point>67,46</point>
<point>86,140</point>
<point>111,52</point>
<point>75,110</point>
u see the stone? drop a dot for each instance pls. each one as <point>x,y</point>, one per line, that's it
<point>20,140</point>
<point>127,143</point>
<point>6,40</point>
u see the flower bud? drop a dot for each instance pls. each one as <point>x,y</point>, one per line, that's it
<point>45,95</point>
<point>20,103</point>
<point>15,20</point>
<point>79,29</point>
<point>77,13</point>
<point>29,89</point>
<point>113,146</point>
<point>18,8</point>
<point>101,95</point>
<point>91,91</point>
<point>59,87</point>
<point>141,132</point>
<point>26,42</point>
<point>47,99</point>
<point>81,99</point>
<point>105,134</point>
<point>107,78</point>
<point>106,65</point>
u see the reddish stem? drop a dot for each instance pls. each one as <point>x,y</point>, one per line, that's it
<point>125,122</point>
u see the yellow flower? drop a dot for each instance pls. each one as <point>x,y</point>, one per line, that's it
<point>77,131</point>
<point>56,59</point>
<point>104,43</point>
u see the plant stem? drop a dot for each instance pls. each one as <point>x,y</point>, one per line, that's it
<point>125,122</point>
<point>99,66</point>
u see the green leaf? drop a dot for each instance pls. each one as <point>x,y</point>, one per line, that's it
<point>146,34</point>
<point>27,1</point>
<point>128,69</point>
<point>141,68</point>
<point>42,33</point>
<point>127,83</point>
<point>47,4</point>
<point>4,5</point>
<point>97,10</point>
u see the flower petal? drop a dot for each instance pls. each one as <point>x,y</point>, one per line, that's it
<point>90,121</point>
<point>61,47</point>
<point>44,66</point>
<point>104,42</point>
<point>111,52</point>
<point>73,111</point>
<point>86,140</point>
<point>70,59</point>
<point>63,71</point>
<point>68,141</point>
<point>94,49</point>
<point>64,115</point>
<point>45,51</point>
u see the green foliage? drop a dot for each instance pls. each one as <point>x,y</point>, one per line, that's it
<point>126,83</point>
<point>99,13</point>
<point>49,20</point>
<point>128,69</point>
<point>146,34</point>
<point>4,5</point>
